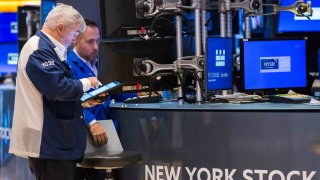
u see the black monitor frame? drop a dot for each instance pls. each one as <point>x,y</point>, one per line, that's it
<point>266,91</point>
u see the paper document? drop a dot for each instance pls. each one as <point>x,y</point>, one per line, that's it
<point>113,144</point>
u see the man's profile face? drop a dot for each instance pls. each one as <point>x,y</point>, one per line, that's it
<point>87,44</point>
<point>68,34</point>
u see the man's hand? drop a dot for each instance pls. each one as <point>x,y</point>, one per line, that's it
<point>99,136</point>
<point>95,101</point>
<point>94,81</point>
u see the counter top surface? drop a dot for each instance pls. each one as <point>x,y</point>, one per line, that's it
<point>220,106</point>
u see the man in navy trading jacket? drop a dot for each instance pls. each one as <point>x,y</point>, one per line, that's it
<point>48,126</point>
<point>83,62</point>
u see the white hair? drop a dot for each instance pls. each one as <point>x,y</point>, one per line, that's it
<point>64,14</point>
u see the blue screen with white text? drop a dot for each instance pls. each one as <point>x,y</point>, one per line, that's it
<point>9,54</point>
<point>219,64</point>
<point>274,64</point>
<point>8,27</point>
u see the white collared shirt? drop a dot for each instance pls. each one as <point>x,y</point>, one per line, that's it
<point>61,49</point>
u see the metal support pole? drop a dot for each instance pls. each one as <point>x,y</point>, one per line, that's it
<point>197,29</point>
<point>225,23</point>
<point>222,20</point>
<point>228,18</point>
<point>247,32</point>
<point>179,55</point>
<point>228,31</point>
<point>204,29</point>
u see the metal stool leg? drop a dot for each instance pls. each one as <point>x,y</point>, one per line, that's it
<point>109,175</point>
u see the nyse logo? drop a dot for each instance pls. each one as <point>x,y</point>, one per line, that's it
<point>269,63</point>
<point>14,27</point>
<point>220,57</point>
<point>275,64</point>
<point>12,58</point>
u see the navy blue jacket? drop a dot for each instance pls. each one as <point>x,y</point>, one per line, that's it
<point>48,117</point>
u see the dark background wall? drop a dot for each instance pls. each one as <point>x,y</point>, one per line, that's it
<point>88,9</point>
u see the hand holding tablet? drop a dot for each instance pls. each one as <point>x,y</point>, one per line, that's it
<point>99,95</point>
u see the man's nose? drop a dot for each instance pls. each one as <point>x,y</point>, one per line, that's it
<point>96,46</point>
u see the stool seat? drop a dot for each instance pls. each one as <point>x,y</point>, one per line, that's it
<point>110,159</point>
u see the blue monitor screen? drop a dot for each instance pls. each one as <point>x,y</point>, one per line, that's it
<point>289,22</point>
<point>218,74</point>
<point>46,7</point>
<point>9,53</point>
<point>8,27</point>
<point>273,64</point>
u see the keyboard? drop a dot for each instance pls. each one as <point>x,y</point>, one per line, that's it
<point>290,98</point>
<point>144,99</point>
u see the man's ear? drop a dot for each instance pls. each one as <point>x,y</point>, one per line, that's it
<point>59,28</point>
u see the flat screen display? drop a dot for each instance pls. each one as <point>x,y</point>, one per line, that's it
<point>46,7</point>
<point>9,54</point>
<point>273,64</point>
<point>8,27</point>
<point>289,22</point>
<point>218,71</point>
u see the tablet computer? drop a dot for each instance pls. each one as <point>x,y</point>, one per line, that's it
<point>95,93</point>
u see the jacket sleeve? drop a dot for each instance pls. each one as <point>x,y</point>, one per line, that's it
<point>88,116</point>
<point>50,78</point>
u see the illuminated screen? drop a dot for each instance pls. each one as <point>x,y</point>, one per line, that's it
<point>46,7</point>
<point>218,75</point>
<point>8,27</point>
<point>9,54</point>
<point>288,22</point>
<point>273,64</point>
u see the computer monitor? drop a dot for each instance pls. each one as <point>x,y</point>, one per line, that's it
<point>273,65</point>
<point>117,58</point>
<point>218,66</point>
<point>289,22</point>
<point>8,27</point>
<point>45,8</point>
<point>9,54</point>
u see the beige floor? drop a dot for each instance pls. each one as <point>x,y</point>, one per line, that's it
<point>15,169</point>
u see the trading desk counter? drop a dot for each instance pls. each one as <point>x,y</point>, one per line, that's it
<point>221,141</point>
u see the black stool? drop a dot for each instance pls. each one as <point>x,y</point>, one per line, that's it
<point>110,160</point>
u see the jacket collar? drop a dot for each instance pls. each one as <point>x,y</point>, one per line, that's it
<point>44,37</point>
<point>78,62</point>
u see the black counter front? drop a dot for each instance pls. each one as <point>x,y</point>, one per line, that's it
<point>221,141</point>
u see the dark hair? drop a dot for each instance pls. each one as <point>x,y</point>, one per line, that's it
<point>91,23</point>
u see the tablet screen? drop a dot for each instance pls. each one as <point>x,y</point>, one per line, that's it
<point>102,89</point>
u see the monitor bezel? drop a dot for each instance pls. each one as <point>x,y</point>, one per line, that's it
<point>266,91</point>
<point>205,84</point>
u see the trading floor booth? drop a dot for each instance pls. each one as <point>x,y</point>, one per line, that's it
<point>221,141</point>
<point>6,113</point>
